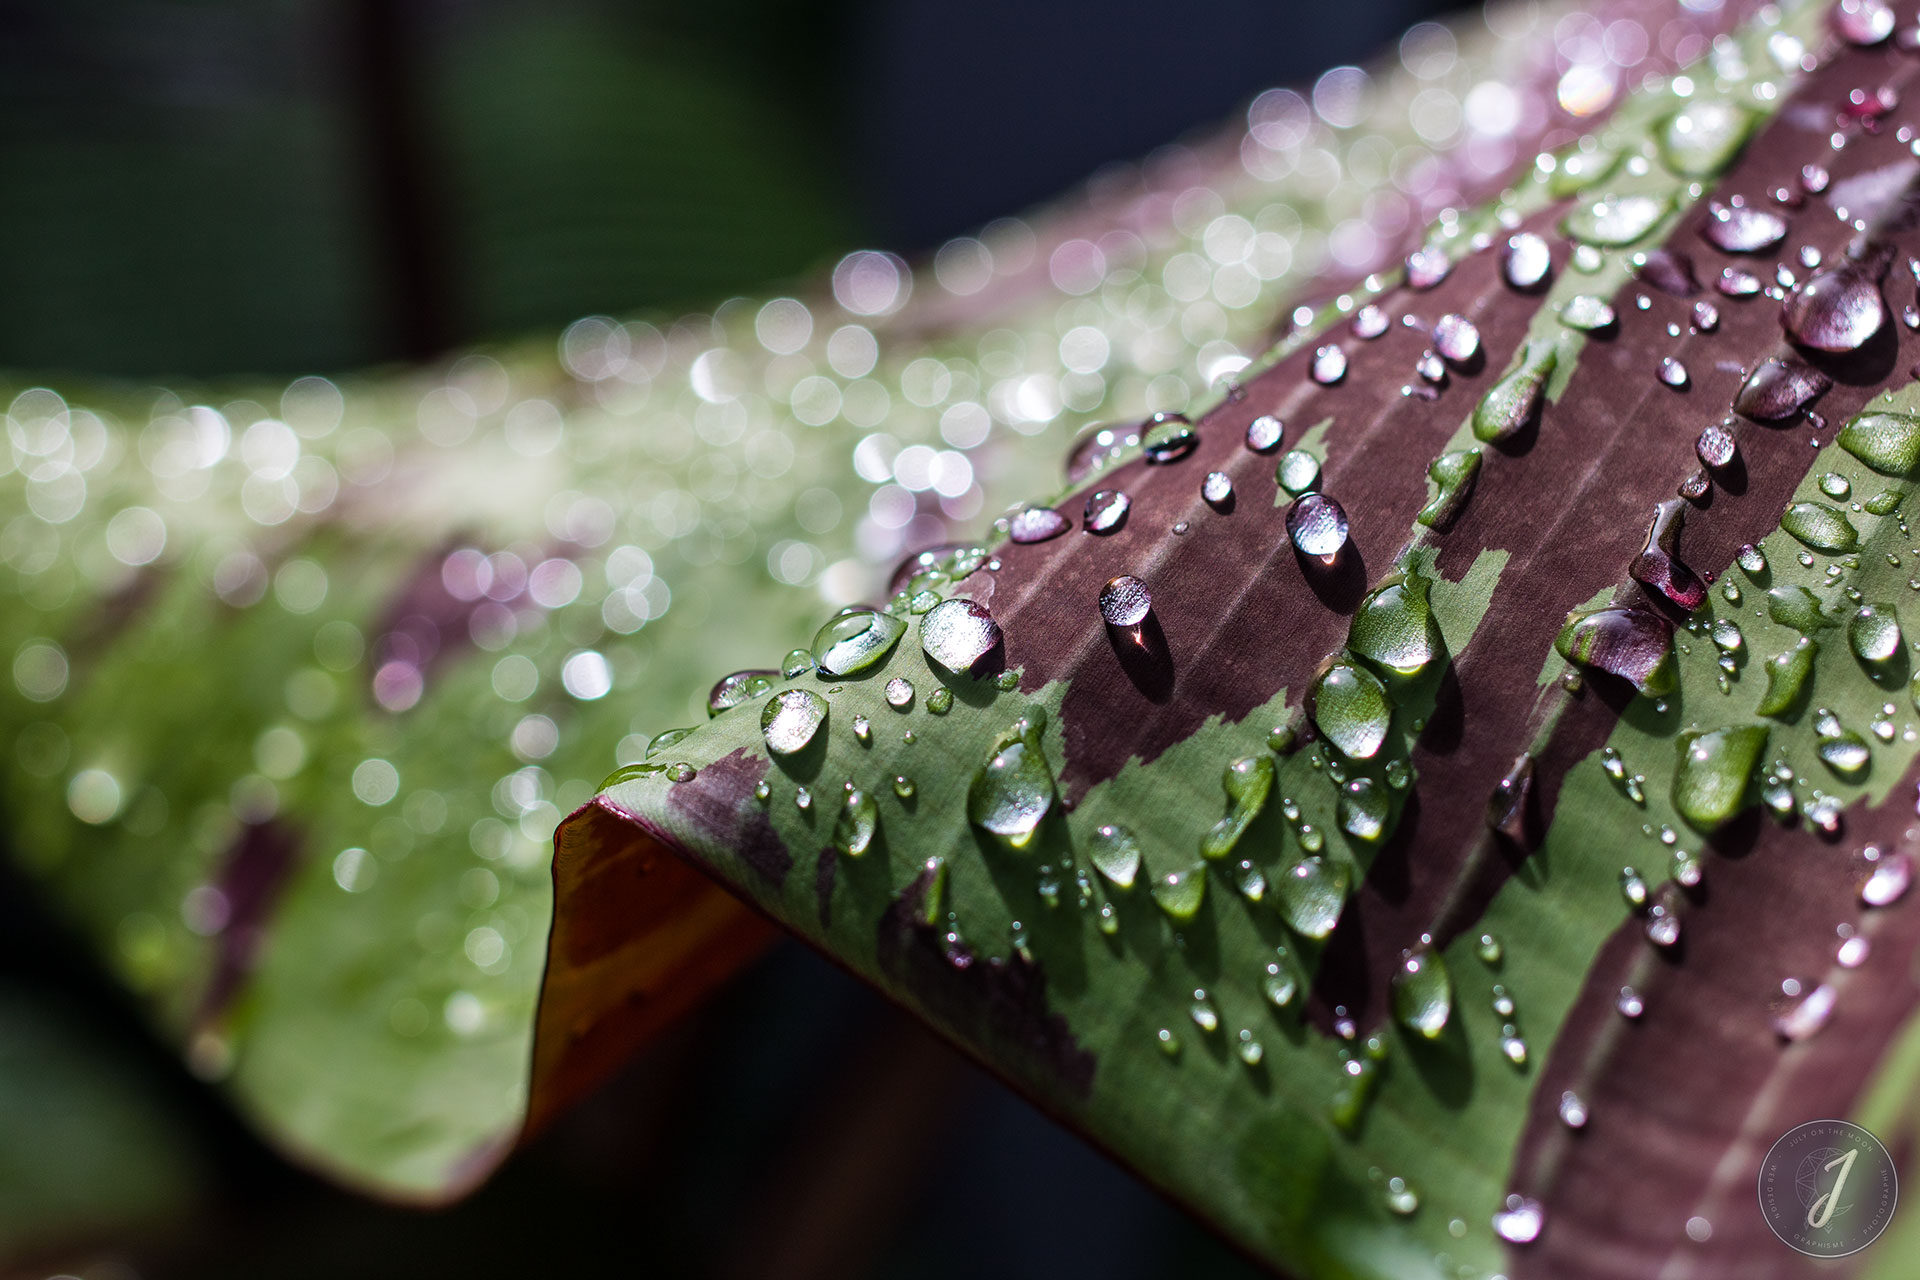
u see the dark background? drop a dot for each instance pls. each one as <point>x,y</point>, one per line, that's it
<point>205,187</point>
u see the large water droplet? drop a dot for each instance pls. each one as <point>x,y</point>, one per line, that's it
<point>1702,137</point>
<point>1125,601</point>
<point>1837,310</point>
<point>791,718</point>
<point>1511,403</point>
<point>1862,22</point>
<point>1422,992</point>
<point>1742,228</point>
<point>1036,524</point>
<point>1615,220</point>
<point>1778,389</point>
<point>1180,893</point>
<point>957,634</point>
<point>1526,260</point>
<point>855,642</point>
<point>1115,854</point>
<point>1634,644</point>
<point>1796,607</point>
<point>1454,476</point>
<point>1710,782</point>
<point>1168,437</point>
<point>742,686</point>
<point>1350,707</point>
<point>1248,783</point>
<point>1659,567</point>
<point>1013,792</point>
<point>1820,527</point>
<point>1874,634</point>
<point>1520,1222</point>
<point>1886,441</point>
<point>1393,628</point>
<point>1787,674</point>
<point>858,823</point>
<point>1311,895</point>
<point>1318,526</point>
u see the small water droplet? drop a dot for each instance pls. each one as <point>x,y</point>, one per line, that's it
<point>1369,322</point>
<point>1456,338</point>
<point>858,823</point>
<point>1526,260</point>
<point>1168,437</point>
<point>1715,446</point>
<point>1630,1004</point>
<point>1298,472</point>
<point>1329,365</point>
<point>680,771</point>
<point>1573,1112</point>
<point>1520,1222</point>
<point>1889,880</point>
<point>1013,792</point>
<point>1106,511</point>
<point>1217,490</point>
<point>1427,266</point>
<point>1672,372</point>
<point>856,641</point>
<point>1422,992</point>
<point>1805,1013</point>
<point>1510,404</point>
<point>790,720</point>
<point>1489,949</point>
<point>1180,893</point>
<point>1311,896</point>
<point>1264,433</point>
<point>1125,601</point>
<point>1742,228</point>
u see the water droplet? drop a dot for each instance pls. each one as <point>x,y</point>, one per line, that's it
<point>1630,1004</point>
<point>1835,485</point>
<point>1520,1222</point>
<point>1511,403</point>
<point>1686,869</point>
<point>1573,1112</point>
<point>1706,316</point>
<point>855,642</point>
<point>1393,628</point>
<point>802,799</point>
<point>1805,1014</point>
<point>1115,854</point>
<point>1703,136</point>
<point>1633,888</point>
<point>1795,607</point>
<point>940,701</point>
<point>1614,221</point>
<point>1735,283</point>
<point>1710,783</point>
<point>1180,893</point>
<point>903,786</point>
<point>1013,792</point>
<point>1400,1197</point>
<point>1036,524</point>
<point>1427,266</point>
<point>1886,441</point>
<point>1586,313</point>
<point>1350,707</point>
<point>958,634</point>
<point>1369,322</point>
<point>1217,490</point>
<point>1820,527</point>
<point>1318,526</point>
<point>1742,228</point>
<point>1874,634</point>
<point>796,664</point>
<point>1862,22</point>
<point>858,823</point>
<point>742,686</point>
<point>1889,880</point>
<point>1311,895</point>
<point>1283,980</point>
<point>1247,783</point>
<point>1329,365</point>
<point>1672,372</point>
<point>1422,992</point>
<point>1715,446</point>
<point>1456,338</point>
<point>1840,749</point>
<point>1837,310</point>
<point>1852,952</point>
<point>680,771</point>
<point>1249,1049</point>
<point>1125,601</point>
<point>1168,437</point>
<point>763,792</point>
<point>1526,260</point>
<point>1659,567</point>
<point>899,692</point>
<point>1454,476</point>
<point>790,720</point>
<point>1264,434</point>
<point>863,730</point>
<point>1489,950</point>
<point>1778,389</point>
<point>1298,472</point>
<point>1635,645</point>
<point>1363,809</point>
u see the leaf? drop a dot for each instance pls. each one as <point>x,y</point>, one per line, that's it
<point>304,675</point>
<point>1315,1129</point>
